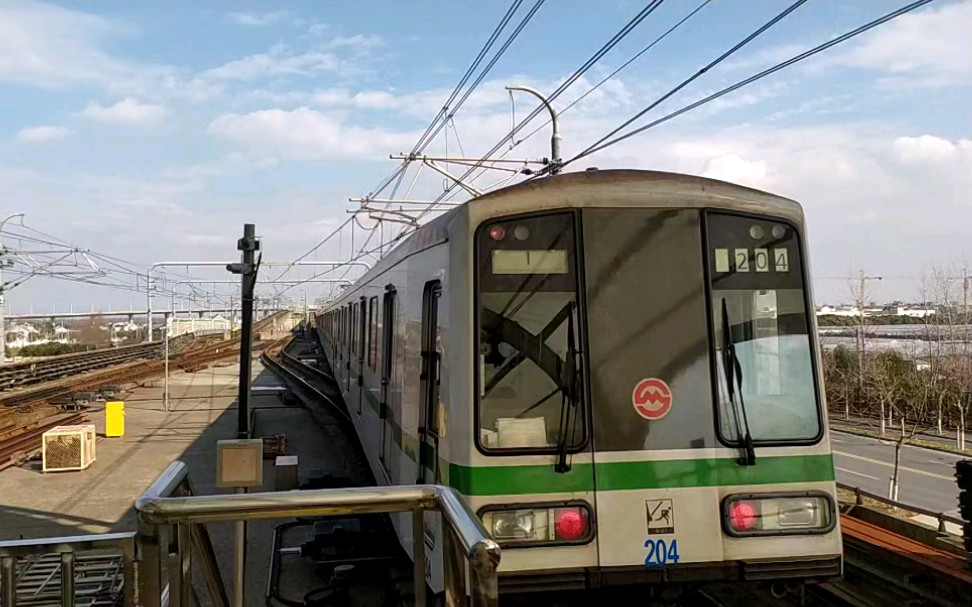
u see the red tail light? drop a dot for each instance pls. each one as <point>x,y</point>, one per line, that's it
<point>743,515</point>
<point>497,232</point>
<point>570,523</point>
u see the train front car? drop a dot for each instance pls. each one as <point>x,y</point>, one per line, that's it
<point>646,384</point>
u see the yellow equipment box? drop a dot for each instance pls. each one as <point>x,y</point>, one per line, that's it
<point>115,418</point>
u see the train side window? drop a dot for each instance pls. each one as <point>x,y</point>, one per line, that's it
<point>372,332</point>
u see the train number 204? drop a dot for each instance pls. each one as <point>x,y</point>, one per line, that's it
<point>661,552</point>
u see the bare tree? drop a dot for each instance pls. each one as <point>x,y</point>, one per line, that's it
<point>859,293</point>
<point>92,331</point>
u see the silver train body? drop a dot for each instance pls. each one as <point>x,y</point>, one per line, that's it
<point>615,368</point>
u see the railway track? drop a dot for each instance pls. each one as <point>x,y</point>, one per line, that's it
<point>24,441</point>
<point>24,409</point>
<point>35,372</point>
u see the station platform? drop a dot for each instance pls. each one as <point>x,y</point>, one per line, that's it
<point>203,410</point>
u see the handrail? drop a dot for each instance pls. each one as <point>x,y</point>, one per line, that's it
<point>183,541</point>
<point>68,548</point>
<point>941,517</point>
<point>463,529</point>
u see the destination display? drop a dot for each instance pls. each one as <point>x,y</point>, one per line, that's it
<point>519,261</point>
<point>776,259</point>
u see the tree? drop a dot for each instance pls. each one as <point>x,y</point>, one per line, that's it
<point>92,331</point>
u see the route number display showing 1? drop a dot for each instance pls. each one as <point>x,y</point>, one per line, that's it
<point>661,552</point>
<point>752,260</point>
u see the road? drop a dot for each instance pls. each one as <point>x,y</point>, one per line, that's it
<point>926,478</point>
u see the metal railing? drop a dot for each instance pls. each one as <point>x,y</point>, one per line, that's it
<point>940,517</point>
<point>465,540</point>
<point>71,551</point>
<point>172,532</point>
<point>174,544</point>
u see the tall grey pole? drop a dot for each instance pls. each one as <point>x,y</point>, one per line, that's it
<point>555,140</point>
<point>165,393</point>
<point>148,305</point>
<point>248,271</point>
<point>3,291</point>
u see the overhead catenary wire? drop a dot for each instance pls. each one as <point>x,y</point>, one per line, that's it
<point>779,66</point>
<point>578,73</point>
<point>735,48</point>
<point>617,70</point>
<point>568,107</point>
<point>448,110</point>
<point>428,136</point>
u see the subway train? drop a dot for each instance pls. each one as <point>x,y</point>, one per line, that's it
<point>615,368</point>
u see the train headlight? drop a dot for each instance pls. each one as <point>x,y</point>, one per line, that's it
<point>539,524</point>
<point>778,514</point>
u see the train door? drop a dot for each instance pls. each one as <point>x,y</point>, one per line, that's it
<point>428,430</point>
<point>650,385</point>
<point>387,367</point>
<point>349,352</point>
<point>361,334</point>
<point>429,386</point>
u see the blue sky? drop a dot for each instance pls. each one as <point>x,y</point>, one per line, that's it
<point>152,131</point>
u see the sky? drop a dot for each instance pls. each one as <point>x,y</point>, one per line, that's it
<point>154,131</point>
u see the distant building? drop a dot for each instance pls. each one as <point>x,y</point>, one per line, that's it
<point>892,309</point>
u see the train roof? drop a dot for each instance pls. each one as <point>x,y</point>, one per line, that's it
<point>623,183</point>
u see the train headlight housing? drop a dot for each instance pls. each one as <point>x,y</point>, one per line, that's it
<point>539,524</point>
<point>810,512</point>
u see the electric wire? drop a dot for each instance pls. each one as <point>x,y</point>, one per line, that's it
<point>779,66</point>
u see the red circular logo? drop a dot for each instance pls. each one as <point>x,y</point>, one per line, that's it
<point>652,398</point>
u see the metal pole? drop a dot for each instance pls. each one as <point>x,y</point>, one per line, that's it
<point>248,245</point>
<point>67,579</point>
<point>165,391</point>
<point>418,556</point>
<point>8,580</point>
<point>239,561</point>
<point>555,140</point>
<point>148,305</point>
<point>3,290</point>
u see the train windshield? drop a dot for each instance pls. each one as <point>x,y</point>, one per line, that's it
<point>755,271</point>
<point>528,333</point>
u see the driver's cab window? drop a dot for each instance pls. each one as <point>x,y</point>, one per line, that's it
<point>528,335</point>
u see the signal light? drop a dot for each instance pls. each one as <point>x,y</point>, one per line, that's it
<point>497,232</point>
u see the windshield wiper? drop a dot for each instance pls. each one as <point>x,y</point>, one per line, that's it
<point>570,396</point>
<point>734,372</point>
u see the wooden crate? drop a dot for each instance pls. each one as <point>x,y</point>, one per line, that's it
<point>68,448</point>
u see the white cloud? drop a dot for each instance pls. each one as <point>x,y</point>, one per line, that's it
<point>259,19</point>
<point>50,46</point>
<point>306,134</point>
<point>127,111</point>
<point>929,149</point>
<point>930,47</point>
<point>732,167</point>
<point>42,134</point>
<point>277,62</point>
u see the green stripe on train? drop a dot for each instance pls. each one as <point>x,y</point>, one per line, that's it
<point>616,476</point>
<point>621,476</point>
